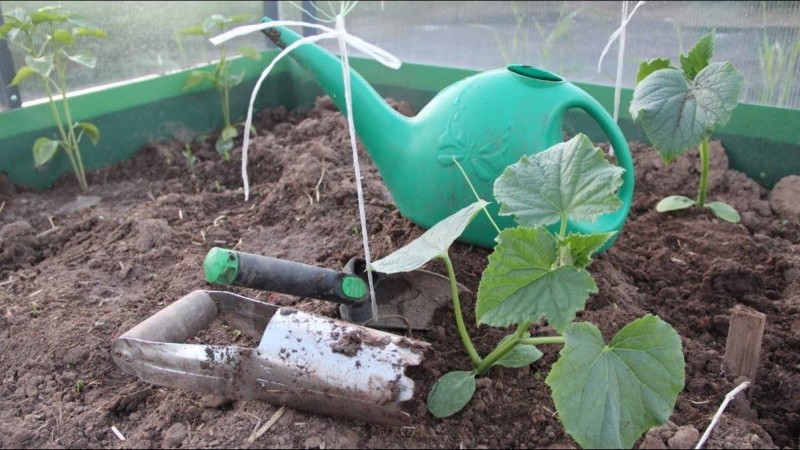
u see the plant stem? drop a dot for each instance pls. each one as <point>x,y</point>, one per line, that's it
<point>502,350</point>
<point>562,231</point>
<point>704,163</point>
<point>73,140</point>
<point>542,340</point>
<point>475,193</point>
<point>462,330</point>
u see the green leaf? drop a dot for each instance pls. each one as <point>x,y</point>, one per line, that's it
<point>699,57</point>
<point>248,51</point>
<point>724,211</point>
<point>520,356</point>
<point>6,27</point>
<point>451,393</point>
<point>215,21</point>
<point>648,67</point>
<point>223,145</point>
<point>433,243</point>
<point>570,179</point>
<point>676,114</point>
<point>196,30</point>
<point>48,14</point>
<point>229,132</point>
<point>196,77</point>
<point>674,203</point>
<point>43,65</point>
<point>235,79</point>
<point>90,130</point>
<point>22,73</point>
<point>63,36</point>
<point>43,150</point>
<point>90,32</point>
<point>240,18</point>
<point>85,59</point>
<point>522,282</point>
<point>608,395</point>
<point>582,246</point>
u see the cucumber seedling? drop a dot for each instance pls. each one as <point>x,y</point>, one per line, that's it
<point>679,108</point>
<point>606,395</point>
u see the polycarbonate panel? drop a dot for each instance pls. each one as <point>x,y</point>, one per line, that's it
<point>142,38</point>
<point>566,37</point>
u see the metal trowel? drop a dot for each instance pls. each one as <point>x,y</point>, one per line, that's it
<point>304,361</point>
<point>405,301</point>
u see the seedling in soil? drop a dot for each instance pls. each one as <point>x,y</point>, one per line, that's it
<point>606,395</point>
<point>221,77</point>
<point>680,108</point>
<point>190,158</point>
<point>47,38</point>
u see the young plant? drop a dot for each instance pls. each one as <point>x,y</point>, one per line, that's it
<point>47,38</point>
<point>606,395</point>
<point>680,108</point>
<point>221,77</point>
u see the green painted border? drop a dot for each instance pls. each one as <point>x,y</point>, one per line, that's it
<point>762,141</point>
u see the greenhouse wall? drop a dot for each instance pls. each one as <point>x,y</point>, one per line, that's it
<point>439,43</point>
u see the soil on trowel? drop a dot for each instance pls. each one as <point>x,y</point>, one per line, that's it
<point>77,270</point>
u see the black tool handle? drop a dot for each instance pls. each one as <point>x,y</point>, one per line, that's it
<point>287,277</point>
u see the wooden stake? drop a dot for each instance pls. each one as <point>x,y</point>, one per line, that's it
<point>743,347</point>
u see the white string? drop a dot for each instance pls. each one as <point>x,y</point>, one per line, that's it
<point>343,38</point>
<point>348,100</point>
<point>728,398</point>
<point>618,33</point>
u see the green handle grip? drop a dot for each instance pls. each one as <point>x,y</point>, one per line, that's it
<point>231,267</point>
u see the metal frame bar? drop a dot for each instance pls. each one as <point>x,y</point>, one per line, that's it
<point>10,97</point>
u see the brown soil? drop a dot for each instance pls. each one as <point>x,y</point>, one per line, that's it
<point>77,271</point>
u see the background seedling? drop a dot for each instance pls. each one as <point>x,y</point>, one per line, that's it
<point>680,108</point>
<point>221,77</point>
<point>47,38</point>
<point>537,273</point>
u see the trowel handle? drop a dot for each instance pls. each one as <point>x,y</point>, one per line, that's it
<point>231,267</point>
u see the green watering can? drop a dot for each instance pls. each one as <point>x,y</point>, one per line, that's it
<point>486,121</point>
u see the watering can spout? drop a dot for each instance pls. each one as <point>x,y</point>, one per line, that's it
<point>381,129</point>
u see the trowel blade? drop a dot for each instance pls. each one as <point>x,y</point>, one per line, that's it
<point>405,300</point>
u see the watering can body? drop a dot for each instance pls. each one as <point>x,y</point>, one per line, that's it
<point>485,122</point>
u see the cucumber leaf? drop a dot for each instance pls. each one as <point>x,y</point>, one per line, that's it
<point>570,179</point>
<point>724,211</point>
<point>674,203</point>
<point>608,395</point>
<point>648,67</point>
<point>523,282</point>
<point>451,393</point>
<point>433,243</point>
<point>582,246</point>
<point>520,356</point>
<point>698,58</point>
<point>677,114</point>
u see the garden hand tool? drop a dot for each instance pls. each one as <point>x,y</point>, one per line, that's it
<point>405,300</point>
<point>486,122</point>
<point>303,361</point>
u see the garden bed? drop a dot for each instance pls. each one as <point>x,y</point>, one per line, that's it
<point>78,270</point>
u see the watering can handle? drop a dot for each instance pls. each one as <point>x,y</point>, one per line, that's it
<point>621,152</point>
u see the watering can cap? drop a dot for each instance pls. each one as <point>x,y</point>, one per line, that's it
<point>221,266</point>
